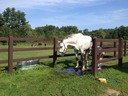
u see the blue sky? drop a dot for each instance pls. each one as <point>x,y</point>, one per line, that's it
<point>90,14</point>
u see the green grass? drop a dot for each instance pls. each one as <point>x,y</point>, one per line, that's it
<point>46,81</point>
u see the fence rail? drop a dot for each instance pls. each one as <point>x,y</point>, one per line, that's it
<point>125,47</point>
<point>114,49</point>
<point>117,47</point>
<point>10,41</point>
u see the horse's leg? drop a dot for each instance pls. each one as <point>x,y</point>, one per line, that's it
<point>100,57</point>
<point>99,65</point>
<point>77,58</point>
<point>87,57</point>
<point>85,60</point>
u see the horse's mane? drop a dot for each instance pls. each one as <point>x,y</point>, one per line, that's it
<point>71,35</point>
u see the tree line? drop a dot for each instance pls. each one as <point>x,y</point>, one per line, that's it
<point>13,22</point>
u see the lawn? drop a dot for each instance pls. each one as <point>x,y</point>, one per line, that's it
<point>46,81</point>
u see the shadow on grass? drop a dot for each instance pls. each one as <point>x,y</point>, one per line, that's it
<point>67,63</point>
<point>124,67</point>
<point>71,63</point>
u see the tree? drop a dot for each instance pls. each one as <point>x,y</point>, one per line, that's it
<point>47,31</point>
<point>39,31</point>
<point>114,33</point>
<point>85,31</point>
<point>123,32</point>
<point>50,30</point>
<point>15,21</point>
<point>99,33</point>
<point>69,29</point>
<point>1,20</point>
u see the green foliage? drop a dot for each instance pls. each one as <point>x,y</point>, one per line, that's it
<point>69,29</point>
<point>118,32</point>
<point>49,31</point>
<point>100,33</point>
<point>13,22</point>
<point>123,32</point>
<point>1,20</point>
<point>85,31</point>
<point>13,18</point>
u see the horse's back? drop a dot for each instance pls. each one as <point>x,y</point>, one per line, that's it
<point>84,41</point>
<point>83,38</point>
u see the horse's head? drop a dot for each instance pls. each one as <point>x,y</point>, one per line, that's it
<point>62,47</point>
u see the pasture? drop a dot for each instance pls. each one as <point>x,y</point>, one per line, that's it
<point>46,81</point>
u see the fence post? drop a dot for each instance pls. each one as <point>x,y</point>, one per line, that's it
<point>94,56</point>
<point>10,54</point>
<point>54,51</point>
<point>115,47</point>
<point>120,52</point>
<point>101,44</point>
<point>125,48</point>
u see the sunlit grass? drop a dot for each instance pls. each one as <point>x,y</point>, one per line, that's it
<point>46,81</point>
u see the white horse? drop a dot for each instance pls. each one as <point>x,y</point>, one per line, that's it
<point>81,43</point>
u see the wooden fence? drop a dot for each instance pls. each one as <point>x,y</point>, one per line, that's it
<point>10,41</point>
<point>10,50</point>
<point>116,48</point>
<point>125,47</point>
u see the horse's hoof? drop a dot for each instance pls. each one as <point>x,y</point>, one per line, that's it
<point>77,67</point>
<point>99,68</point>
<point>83,69</point>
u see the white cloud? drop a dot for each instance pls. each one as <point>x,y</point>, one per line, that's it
<point>36,3</point>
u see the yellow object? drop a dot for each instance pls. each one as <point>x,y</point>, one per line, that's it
<point>102,80</point>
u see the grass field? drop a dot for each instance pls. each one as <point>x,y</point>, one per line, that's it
<point>46,81</point>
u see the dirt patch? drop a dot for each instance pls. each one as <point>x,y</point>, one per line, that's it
<point>111,92</point>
